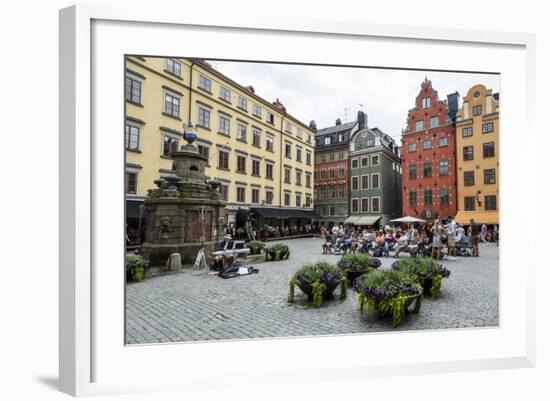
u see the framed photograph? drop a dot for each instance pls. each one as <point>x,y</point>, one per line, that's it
<point>289,197</point>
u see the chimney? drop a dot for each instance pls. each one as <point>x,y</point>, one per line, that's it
<point>338,121</point>
<point>452,102</point>
<point>362,120</point>
<point>313,125</point>
<point>279,105</point>
<point>250,88</point>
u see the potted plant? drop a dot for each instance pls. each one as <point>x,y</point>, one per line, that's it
<point>256,247</point>
<point>318,281</point>
<point>354,265</point>
<point>277,252</point>
<point>426,271</point>
<point>135,267</point>
<point>240,232</point>
<point>388,292</point>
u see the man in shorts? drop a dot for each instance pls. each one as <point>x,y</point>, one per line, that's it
<point>451,238</point>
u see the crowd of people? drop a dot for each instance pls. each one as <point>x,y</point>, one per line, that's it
<point>430,239</point>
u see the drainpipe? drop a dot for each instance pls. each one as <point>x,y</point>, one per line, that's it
<point>281,174</point>
<point>190,89</point>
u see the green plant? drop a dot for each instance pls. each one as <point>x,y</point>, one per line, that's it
<point>388,292</point>
<point>318,281</point>
<point>256,247</point>
<point>136,266</point>
<point>354,265</point>
<point>426,271</point>
<point>277,252</point>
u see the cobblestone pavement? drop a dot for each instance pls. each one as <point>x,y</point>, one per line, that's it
<point>185,306</point>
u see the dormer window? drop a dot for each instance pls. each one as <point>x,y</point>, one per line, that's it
<point>327,140</point>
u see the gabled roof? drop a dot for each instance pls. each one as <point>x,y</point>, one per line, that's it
<point>336,128</point>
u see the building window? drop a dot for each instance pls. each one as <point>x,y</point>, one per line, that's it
<point>298,132</point>
<point>298,200</point>
<point>205,83</point>
<point>203,118</point>
<point>375,181</point>
<point>354,163</point>
<point>331,172</point>
<point>469,203</point>
<point>341,172</point>
<point>298,177</point>
<point>364,162</point>
<point>241,132</point>
<point>225,94</point>
<point>224,125</point>
<point>355,183</point>
<point>444,198</point>
<point>270,118</point>
<point>269,143</point>
<point>287,175</point>
<point>427,170</point>
<point>428,200</point>
<point>241,194</point>
<point>469,178</point>
<point>242,103</point>
<point>223,160</point>
<point>427,145</point>
<point>419,125</point>
<point>287,198</point>
<point>370,143</point>
<point>322,174</point>
<point>443,142</point>
<point>412,198</point>
<point>375,205</point>
<point>443,167</point>
<point>133,90</point>
<point>257,111</point>
<point>288,127</point>
<point>332,156</point>
<point>131,182</point>
<point>468,131</point>
<point>477,110</point>
<point>204,150</point>
<point>256,137</point>
<point>173,67</point>
<point>364,205</point>
<point>364,182</point>
<point>487,127</point>
<point>434,122</point>
<point>171,104</point>
<point>468,153</point>
<point>269,197</point>
<point>308,201</point>
<point>411,147</point>
<point>169,144</point>
<point>341,190</point>
<point>131,137</point>
<point>308,180</point>
<point>488,149</point>
<point>355,205</point>
<point>241,164</point>
<point>426,102</point>
<point>491,202</point>
<point>288,150</point>
<point>412,171</point>
<point>327,140</point>
<point>298,154</point>
<point>375,160</point>
<point>489,176</point>
<point>224,192</point>
<point>255,167</point>
<point>255,195</point>
<point>308,158</point>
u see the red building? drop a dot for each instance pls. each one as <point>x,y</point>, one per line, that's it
<point>429,156</point>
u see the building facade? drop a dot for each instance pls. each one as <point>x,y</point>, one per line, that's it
<point>477,139</point>
<point>375,178</point>
<point>331,175</point>
<point>429,156</point>
<point>262,155</point>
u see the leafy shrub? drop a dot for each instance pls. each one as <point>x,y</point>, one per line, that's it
<point>426,271</point>
<point>388,291</point>
<point>358,262</point>
<point>318,281</point>
<point>256,247</point>
<point>277,252</point>
<point>136,266</point>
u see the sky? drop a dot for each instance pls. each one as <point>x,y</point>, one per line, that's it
<point>324,93</point>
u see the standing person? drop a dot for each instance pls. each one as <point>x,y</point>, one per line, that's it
<point>484,234</point>
<point>474,234</point>
<point>437,231</point>
<point>451,238</point>
<point>496,233</point>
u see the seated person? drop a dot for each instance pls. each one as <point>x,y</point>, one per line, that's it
<point>220,262</point>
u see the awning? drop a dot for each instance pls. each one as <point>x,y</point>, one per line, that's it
<point>282,213</point>
<point>367,220</point>
<point>351,219</point>
<point>482,217</point>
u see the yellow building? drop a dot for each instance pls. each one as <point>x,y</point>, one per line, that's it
<point>261,154</point>
<point>477,139</point>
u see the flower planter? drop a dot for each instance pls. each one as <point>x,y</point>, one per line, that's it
<point>307,289</point>
<point>318,281</point>
<point>427,272</point>
<point>354,266</point>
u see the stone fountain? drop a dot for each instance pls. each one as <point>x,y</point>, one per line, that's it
<point>185,212</point>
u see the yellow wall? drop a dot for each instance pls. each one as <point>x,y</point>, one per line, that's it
<point>466,119</point>
<point>150,148</point>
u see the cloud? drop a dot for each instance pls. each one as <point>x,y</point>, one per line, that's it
<point>324,93</point>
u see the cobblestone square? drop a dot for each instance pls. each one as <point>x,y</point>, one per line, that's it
<point>187,306</point>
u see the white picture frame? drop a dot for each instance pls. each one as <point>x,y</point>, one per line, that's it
<point>93,358</point>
